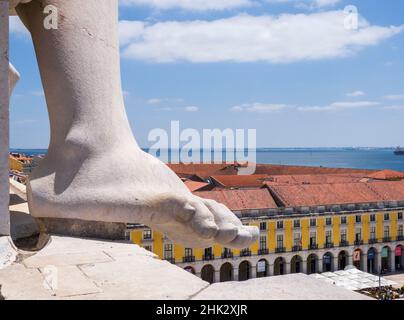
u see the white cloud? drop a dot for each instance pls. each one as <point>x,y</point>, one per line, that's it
<point>356,94</point>
<point>17,27</point>
<point>394,97</point>
<point>260,107</point>
<point>196,5</point>
<point>162,100</point>
<point>165,109</point>
<point>154,101</point>
<point>244,38</point>
<point>191,109</point>
<point>339,106</point>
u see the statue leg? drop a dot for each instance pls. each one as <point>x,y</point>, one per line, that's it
<point>94,169</point>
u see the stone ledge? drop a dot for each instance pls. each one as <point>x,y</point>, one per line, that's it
<point>96,269</point>
<point>287,287</point>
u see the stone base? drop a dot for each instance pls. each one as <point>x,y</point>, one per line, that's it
<point>82,228</point>
<point>8,253</point>
<point>83,269</point>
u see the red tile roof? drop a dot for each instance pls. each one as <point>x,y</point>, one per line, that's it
<point>338,193</point>
<point>238,200</point>
<point>240,181</point>
<point>297,170</point>
<point>387,175</point>
<point>195,185</point>
<point>204,170</point>
<point>314,179</point>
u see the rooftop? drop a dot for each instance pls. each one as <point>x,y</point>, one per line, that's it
<point>243,199</point>
<point>300,195</point>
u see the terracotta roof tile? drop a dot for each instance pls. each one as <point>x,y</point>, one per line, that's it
<point>244,199</point>
<point>241,181</point>
<point>314,178</point>
<point>204,170</point>
<point>195,185</point>
<point>387,175</point>
<point>295,170</point>
<point>338,193</point>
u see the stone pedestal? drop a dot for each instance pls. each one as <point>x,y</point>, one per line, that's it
<point>4,120</point>
<point>82,269</point>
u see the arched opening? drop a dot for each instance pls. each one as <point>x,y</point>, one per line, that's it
<point>357,259</point>
<point>296,264</point>
<point>208,273</point>
<point>327,262</point>
<point>386,252</point>
<point>371,260</point>
<point>279,266</point>
<point>190,269</point>
<point>244,271</point>
<point>226,272</point>
<point>262,268</point>
<point>398,253</point>
<point>312,264</point>
<point>342,260</point>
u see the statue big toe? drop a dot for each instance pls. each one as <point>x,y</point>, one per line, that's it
<point>94,172</point>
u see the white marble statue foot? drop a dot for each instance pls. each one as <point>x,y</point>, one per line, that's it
<point>94,170</point>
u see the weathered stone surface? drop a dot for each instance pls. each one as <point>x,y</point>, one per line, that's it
<point>19,283</point>
<point>23,225</point>
<point>287,287</point>
<point>8,252</point>
<point>95,269</point>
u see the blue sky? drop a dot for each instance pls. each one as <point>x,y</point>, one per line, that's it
<point>289,69</point>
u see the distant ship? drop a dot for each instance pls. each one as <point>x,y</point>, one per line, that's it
<point>399,151</point>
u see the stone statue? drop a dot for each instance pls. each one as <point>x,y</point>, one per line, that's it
<point>94,170</point>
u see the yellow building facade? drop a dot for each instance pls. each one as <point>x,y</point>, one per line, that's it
<point>295,243</point>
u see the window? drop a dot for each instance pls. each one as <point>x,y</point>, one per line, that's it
<point>297,239</point>
<point>358,219</point>
<point>279,224</point>
<point>148,248</point>
<point>343,220</point>
<point>208,252</point>
<point>400,230</point>
<point>313,238</point>
<point>386,217</point>
<point>372,218</point>
<point>188,252</point>
<point>296,223</point>
<point>263,242</point>
<point>400,216</point>
<point>328,221</point>
<point>168,251</point>
<point>343,235</point>
<point>313,222</point>
<point>358,235</point>
<point>279,241</point>
<point>147,234</point>
<point>263,226</point>
<point>328,237</point>
<point>386,232</point>
<point>372,233</point>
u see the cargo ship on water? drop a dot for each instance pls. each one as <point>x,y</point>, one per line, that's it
<point>399,151</point>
